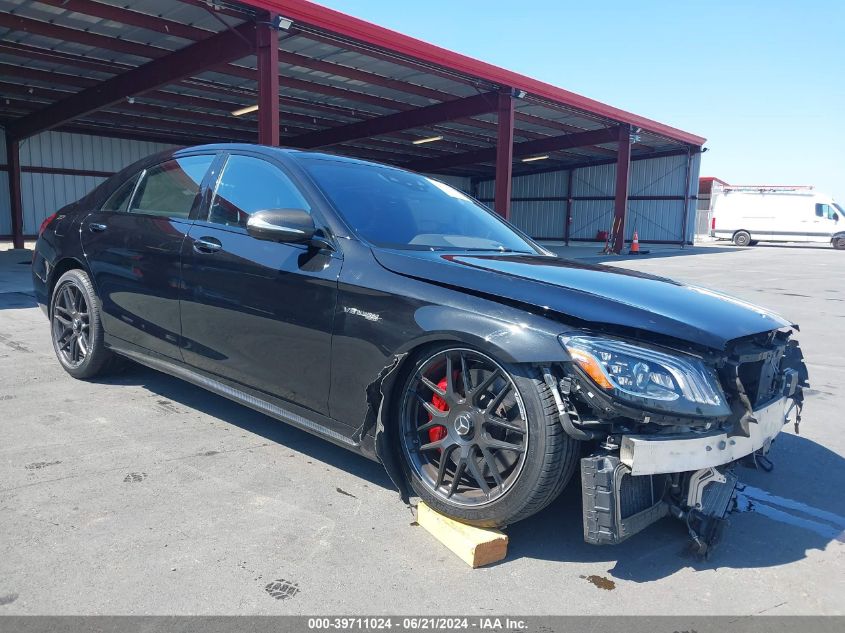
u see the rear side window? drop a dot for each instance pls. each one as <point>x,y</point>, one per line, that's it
<point>119,200</point>
<point>248,185</point>
<point>170,189</point>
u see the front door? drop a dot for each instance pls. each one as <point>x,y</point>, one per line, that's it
<point>254,311</point>
<point>133,246</point>
<point>825,224</point>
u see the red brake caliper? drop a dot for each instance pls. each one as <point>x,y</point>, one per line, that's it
<point>437,433</point>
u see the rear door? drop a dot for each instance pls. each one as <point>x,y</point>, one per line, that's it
<point>133,246</point>
<point>255,311</point>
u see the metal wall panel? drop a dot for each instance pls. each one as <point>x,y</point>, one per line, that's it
<point>659,220</point>
<point>540,219</point>
<point>461,183</point>
<point>655,220</point>
<point>589,217</point>
<point>486,189</point>
<point>664,176</point>
<point>5,201</point>
<point>81,151</point>
<point>43,194</point>
<point>547,185</point>
<point>5,204</point>
<point>599,180</point>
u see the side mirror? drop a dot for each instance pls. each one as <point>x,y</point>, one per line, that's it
<point>836,217</point>
<point>281,225</point>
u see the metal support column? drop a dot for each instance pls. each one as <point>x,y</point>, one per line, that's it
<point>685,224</point>
<point>13,162</point>
<point>568,225</point>
<point>623,168</point>
<point>504,154</point>
<point>267,52</point>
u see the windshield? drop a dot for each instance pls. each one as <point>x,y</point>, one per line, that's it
<point>398,209</point>
<point>839,209</point>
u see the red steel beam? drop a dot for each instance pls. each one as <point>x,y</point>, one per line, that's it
<point>13,161</point>
<point>526,148</point>
<point>623,168</point>
<point>504,155</point>
<point>267,52</point>
<point>420,117</point>
<point>226,46</point>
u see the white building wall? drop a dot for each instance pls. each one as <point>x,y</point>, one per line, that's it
<point>44,193</point>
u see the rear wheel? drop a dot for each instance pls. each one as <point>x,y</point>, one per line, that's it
<point>742,238</point>
<point>75,326</point>
<point>481,441</point>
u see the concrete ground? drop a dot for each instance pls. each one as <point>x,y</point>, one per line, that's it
<point>141,494</point>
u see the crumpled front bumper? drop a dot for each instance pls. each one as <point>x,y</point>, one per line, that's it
<point>656,454</point>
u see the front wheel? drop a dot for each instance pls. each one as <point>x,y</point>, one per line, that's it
<point>75,327</point>
<point>481,441</point>
<point>839,243</point>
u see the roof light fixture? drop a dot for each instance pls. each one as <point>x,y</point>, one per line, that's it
<point>531,159</point>
<point>246,110</point>
<point>430,139</point>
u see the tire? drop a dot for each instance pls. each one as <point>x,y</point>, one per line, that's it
<point>76,329</point>
<point>839,243</point>
<point>528,479</point>
<point>742,238</point>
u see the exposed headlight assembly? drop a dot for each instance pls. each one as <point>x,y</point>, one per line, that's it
<point>647,378</point>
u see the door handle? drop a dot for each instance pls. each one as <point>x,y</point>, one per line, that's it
<point>207,245</point>
<point>96,227</point>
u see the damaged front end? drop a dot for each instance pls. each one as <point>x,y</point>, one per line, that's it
<point>665,426</point>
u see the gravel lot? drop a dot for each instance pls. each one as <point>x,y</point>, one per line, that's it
<point>142,494</point>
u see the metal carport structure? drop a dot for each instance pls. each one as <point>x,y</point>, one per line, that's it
<point>177,71</point>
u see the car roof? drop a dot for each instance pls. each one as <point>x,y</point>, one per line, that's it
<point>291,152</point>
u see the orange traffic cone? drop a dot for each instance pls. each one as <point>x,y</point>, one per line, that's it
<point>635,245</point>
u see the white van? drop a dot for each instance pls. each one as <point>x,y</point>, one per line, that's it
<point>746,215</point>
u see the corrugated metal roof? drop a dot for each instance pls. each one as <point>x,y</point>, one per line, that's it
<point>329,78</point>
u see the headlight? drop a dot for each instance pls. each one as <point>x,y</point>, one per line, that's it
<point>642,376</point>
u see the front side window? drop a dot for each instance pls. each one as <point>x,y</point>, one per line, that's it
<point>169,189</point>
<point>248,185</point>
<point>119,200</point>
<point>398,209</point>
<point>824,211</point>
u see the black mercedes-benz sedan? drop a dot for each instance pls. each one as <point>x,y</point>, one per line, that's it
<point>394,315</point>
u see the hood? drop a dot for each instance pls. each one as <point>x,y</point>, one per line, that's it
<point>595,295</point>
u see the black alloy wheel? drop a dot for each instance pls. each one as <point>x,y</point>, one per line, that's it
<point>481,441</point>
<point>71,325</point>
<point>75,327</point>
<point>465,431</point>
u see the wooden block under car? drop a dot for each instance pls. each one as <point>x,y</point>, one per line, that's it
<point>475,546</point>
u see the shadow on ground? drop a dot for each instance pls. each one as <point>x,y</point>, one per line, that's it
<point>249,420</point>
<point>16,300</point>
<point>751,540</point>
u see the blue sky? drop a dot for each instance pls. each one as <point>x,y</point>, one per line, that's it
<point>764,82</point>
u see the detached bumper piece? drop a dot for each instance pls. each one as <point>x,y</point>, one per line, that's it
<point>617,504</point>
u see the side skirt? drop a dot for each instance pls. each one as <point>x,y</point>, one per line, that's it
<point>290,413</point>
